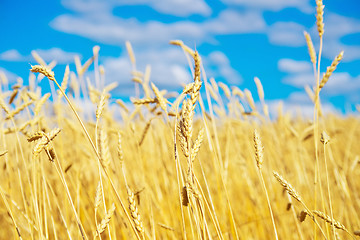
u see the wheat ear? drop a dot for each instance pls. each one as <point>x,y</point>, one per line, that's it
<point>330,70</point>
<point>105,222</point>
<point>134,212</point>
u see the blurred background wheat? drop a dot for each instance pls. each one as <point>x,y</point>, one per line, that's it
<point>208,162</point>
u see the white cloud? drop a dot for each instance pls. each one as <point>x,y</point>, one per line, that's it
<point>339,83</point>
<point>337,25</point>
<point>181,8</point>
<point>9,76</point>
<point>343,84</point>
<point>299,80</point>
<point>274,5</point>
<point>11,55</point>
<point>217,65</point>
<point>114,30</point>
<point>336,28</point>
<point>169,69</point>
<point>230,21</point>
<point>298,103</point>
<point>293,66</point>
<point>56,54</point>
<point>47,54</point>
<point>286,34</point>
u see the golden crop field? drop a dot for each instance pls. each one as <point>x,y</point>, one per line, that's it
<point>206,163</point>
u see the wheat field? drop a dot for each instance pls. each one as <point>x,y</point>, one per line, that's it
<point>206,163</point>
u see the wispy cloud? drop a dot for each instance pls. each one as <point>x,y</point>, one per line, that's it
<point>56,54</point>
<point>336,28</point>
<point>169,68</point>
<point>218,66</point>
<point>286,34</point>
<point>48,55</point>
<point>340,83</point>
<point>298,104</point>
<point>11,55</point>
<point>110,29</point>
<point>182,8</point>
<point>274,5</point>
<point>292,66</point>
<point>7,76</point>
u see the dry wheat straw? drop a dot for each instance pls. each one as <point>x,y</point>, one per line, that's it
<point>226,89</point>
<point>19,109</point>
<point>325,139</point>
<point>130,52</point>
<point>108,88</point>
<point>4,106</point>
<point>101,104</point>
<point>43,70</point>
<point>40,103</point>
<point>37,58</point>
<point>45,139</point>
<point>35,136</point>
<point>144,132</point>
<point>196,146</point>
<point>287,186</point>
<point>211,92</point>
<point>49,150</point>
<point>137,80</point>
<point>96,50</point>
<point>13,95</point>
<point>32,96</point>
<point>237,92</point>
<point>250,99</point>
<point>311,48</point>
<point>319,17</point>
<point>260,89</point>
<point>105,222</point>
<point>159,97</point>
<point>259,157</point>
<point>119,149</point>
<point>104,150</point>
<point>134,212</point>
<point>86,65</point>
<point>188,88</point>
<point>331,221</point>
<point>98,198</point>
<point>2,153</point>
<point>144,101</point>
<point>183,46</point>
<point>259,150</point>
<point>65,80</point>
<point>122,104</point>
<point>330,69</point>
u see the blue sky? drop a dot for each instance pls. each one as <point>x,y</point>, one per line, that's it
<point>237,39</point>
